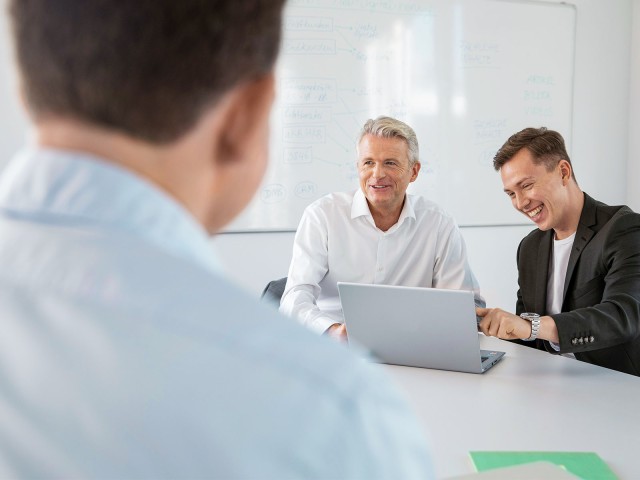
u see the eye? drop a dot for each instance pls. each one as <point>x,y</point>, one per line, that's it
<point>527,186</point>
<point>510,194</point>
<point>390,162</point>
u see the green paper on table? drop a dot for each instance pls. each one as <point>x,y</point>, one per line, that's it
<point>586,465</point>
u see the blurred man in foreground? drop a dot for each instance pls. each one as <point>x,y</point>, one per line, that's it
<point>123,352</point>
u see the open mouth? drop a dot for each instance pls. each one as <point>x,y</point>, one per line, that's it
<point>535,212</point>
<point>379,187</point>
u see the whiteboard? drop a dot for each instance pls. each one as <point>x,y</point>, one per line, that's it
<point>465,74</point>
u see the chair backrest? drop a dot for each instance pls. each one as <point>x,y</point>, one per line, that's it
<point>274,290</point>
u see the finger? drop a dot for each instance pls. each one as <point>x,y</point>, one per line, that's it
<point>342,333</point>
<point>481,312</point>
<point>494,328</point>
<point>484,326</point>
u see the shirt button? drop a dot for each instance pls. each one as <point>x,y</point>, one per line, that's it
<point>581,340</point>
<point>591,339</point>
<point>574,341</point>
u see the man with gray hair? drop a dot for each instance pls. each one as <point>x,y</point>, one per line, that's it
<point>378,234</point>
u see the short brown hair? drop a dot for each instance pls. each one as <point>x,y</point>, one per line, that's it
<point>546,146</point>
<point>148,68</point>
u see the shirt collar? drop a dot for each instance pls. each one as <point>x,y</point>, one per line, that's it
<point>72,187</point>
<point>360,208</point>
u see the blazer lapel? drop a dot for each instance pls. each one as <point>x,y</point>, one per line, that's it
<point>583,235</point>
<point>542,271</point>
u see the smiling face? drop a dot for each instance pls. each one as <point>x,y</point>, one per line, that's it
<point>543,196</point>
<point>385,172</point>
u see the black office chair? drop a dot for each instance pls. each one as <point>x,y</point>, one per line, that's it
<point>273,291</point>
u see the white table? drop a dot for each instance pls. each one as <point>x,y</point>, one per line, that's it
<point>530,400</point>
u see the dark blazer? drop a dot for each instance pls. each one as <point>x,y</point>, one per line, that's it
<point>600,319</point>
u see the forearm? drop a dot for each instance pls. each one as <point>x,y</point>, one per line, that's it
<point>604,325</point>
<point>300,304</point>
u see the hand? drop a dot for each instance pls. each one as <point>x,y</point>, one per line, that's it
<point>337,331</point>
<point>498,323</point>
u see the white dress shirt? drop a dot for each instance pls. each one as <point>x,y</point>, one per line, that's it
<point>123,354</point>
<point>337,241</point>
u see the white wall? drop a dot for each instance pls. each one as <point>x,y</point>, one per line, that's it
<point>633,164</point>
<point>599,152</point>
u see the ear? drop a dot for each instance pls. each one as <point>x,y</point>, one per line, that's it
<point>414,171</point>
<point>238,141</point>
<point>245,123</point>
<point>565,171</point>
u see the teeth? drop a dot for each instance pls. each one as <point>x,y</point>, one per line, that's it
<point>378,186</point>
<point>534,212</point>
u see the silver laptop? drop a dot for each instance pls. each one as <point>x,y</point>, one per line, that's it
<point>416,327</point>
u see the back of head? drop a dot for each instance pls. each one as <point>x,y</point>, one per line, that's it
<point>148,68</point>
<point>388,127</point>
<point>546,147</point>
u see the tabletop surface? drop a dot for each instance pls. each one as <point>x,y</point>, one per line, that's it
<point>530,400</point>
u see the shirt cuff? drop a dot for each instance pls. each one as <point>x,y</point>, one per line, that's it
<point>321,324</point>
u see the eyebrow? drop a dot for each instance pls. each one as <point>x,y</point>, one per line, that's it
<point>395,159</point>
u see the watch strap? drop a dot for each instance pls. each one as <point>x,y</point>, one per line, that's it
<point>534,318</point>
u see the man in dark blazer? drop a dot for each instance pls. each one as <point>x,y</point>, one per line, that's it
<point>579,272</point>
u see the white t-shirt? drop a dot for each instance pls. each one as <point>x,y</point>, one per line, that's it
<point>337,240</point>
<point>561,250</point>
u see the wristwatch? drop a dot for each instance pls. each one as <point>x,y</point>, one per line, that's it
<point>534,318</point>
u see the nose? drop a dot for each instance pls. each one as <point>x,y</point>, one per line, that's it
<point>378,171</point>
<point>520,201</point>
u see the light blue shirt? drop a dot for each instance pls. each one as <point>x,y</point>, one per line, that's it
<point>123,354</point>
